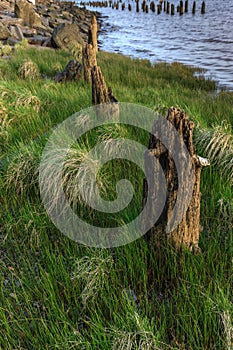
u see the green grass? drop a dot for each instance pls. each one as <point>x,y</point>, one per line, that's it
<point>57,294</point>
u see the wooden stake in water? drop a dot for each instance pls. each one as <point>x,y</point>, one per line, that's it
<point>194,8</point>
<point>203,8</point>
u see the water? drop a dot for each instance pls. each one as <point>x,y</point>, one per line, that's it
<point>200,40</point>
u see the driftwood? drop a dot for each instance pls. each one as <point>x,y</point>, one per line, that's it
<point>186,232</point>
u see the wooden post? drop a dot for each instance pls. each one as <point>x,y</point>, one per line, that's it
<point>194,8</point>
<point>186,6</point>
<point>144,5</point>
<point>89,61</point>
<point>168,7</point>
<point>137,5</point>
<point>152,6</point>
<point>103,97</point>
<point>181,7</point>
<point>165,6</point>
<point>93,33</point>
<point>184,233</point>
<point>203,8</point>
<point>129,7</point>
<point>172,9</point>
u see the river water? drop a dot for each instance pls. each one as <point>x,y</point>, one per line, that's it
<point>203,40</point>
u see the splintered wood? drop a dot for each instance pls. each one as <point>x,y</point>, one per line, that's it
<point>186,232</point>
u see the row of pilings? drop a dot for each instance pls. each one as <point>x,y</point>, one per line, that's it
<point>163,6</point>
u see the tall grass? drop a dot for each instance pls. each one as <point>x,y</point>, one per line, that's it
<point>57,294</point>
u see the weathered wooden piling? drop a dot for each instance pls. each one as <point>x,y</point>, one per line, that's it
<point>177,224</point>
<point>107,106</point>
<point>159,9</point>
<point>186,6</point>
<point>194,8</point>
<point>172,9</point>
<point>144,5</point>
<point>203,8</point>
<point>88,61</point>
<point>123,6</point>
<point>165,6</point>
<point>168,7</point>
<point>129,7</point>
<point>137,6</point>
<point>152,6</point>
<point>147,9</point>
<point>93,34</point>
<point>181,7</point>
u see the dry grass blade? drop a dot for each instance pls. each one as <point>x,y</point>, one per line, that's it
<point>217,145</point>
<point>228,328</point>
<point>93,272</point>
<point>141,338</point>
<point>22,170</point>
<point>29,70</point>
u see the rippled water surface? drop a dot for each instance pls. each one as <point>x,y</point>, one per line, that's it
<point>201,40</point>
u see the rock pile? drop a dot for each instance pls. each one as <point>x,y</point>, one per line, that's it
<point>45,23</point>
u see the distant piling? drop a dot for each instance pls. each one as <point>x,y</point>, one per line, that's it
<point>181,7</point>
<point>203,8</point>
<point>194,8</point>
<point>172,9</point>
<point>186,6</point>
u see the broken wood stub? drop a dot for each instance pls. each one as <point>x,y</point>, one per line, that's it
<point>89,61</point>
<point>186,232</point>
<point>93,34</point>
<point>101,94</point>
<point>89,51</point>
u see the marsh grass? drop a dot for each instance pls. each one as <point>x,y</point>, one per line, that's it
<point>57,294</point>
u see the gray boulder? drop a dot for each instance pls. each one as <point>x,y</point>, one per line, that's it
<point>72,72</point>
<point>25,10</point>
<point>4,32</point>
<point>65,35</point>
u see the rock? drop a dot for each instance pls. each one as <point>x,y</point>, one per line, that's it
<point>37,40</point>
<point>16,32</point>
<point>72,72</point>
<point>28,33</point>
<point>65,35</point>
<point>4,32</point>
<point>24,9</point>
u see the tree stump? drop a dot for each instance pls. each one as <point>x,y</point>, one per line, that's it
<point>186,231</point>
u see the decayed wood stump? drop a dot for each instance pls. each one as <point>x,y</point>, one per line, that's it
<point>186,233</point>
<point>93,34</point>
<point>103,95</point>
<point>89,51</point>
<point>89,61</point>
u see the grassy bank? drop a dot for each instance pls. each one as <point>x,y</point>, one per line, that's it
<point>56,294</point>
